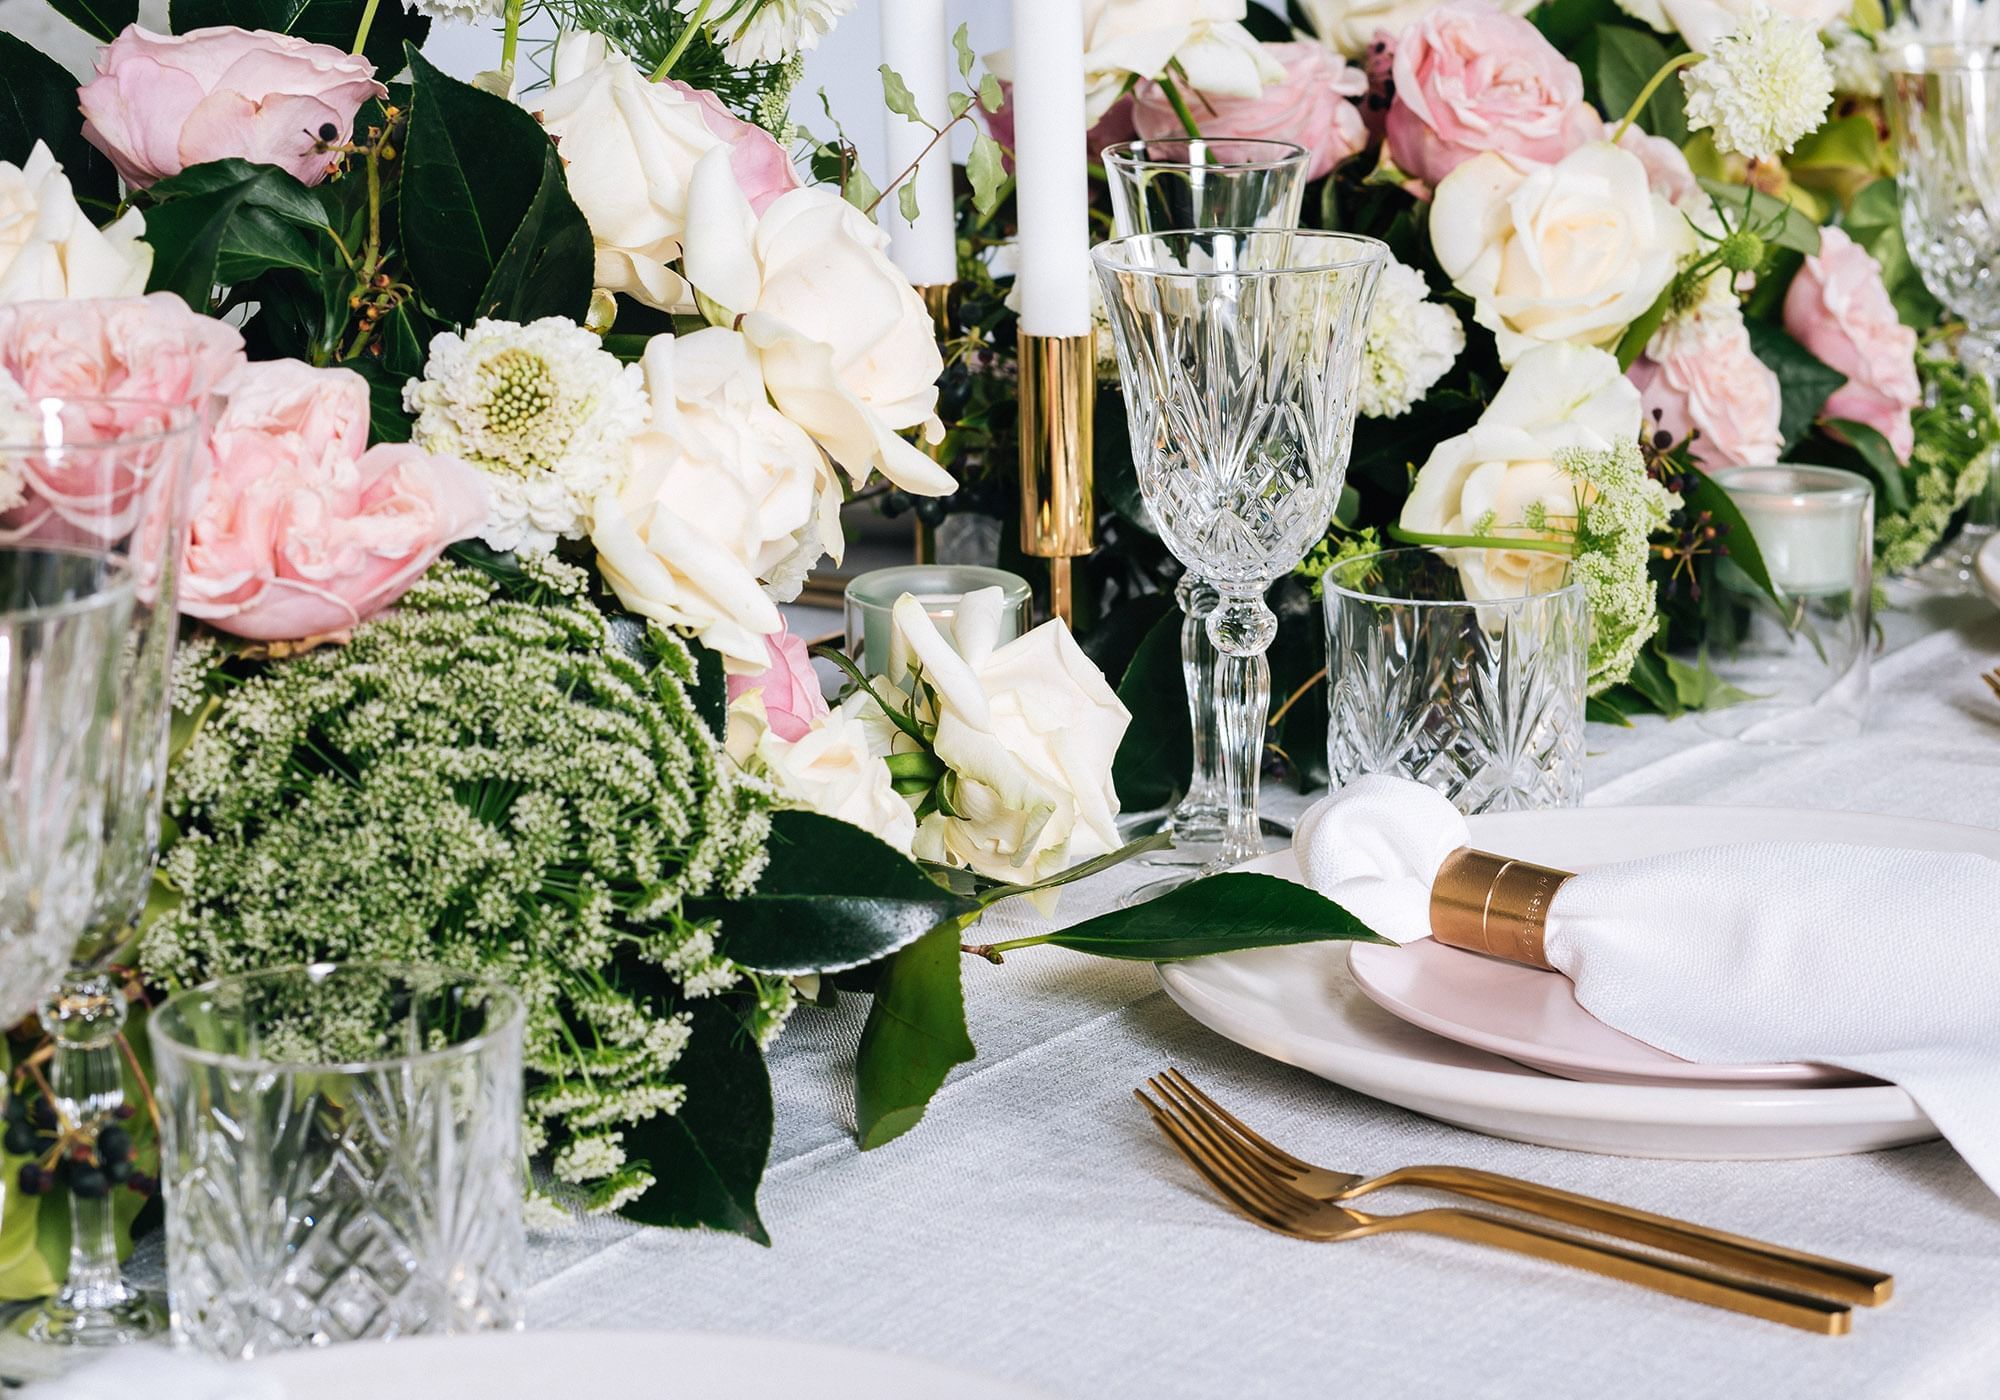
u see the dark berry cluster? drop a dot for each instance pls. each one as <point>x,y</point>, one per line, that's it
<point>88,1162</point>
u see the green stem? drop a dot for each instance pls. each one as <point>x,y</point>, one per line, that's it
<point>367,23</point>
<point>681,43</point>
<point>1678,61</point>
<point>992,951</point>
<point>901,721</point>
<point>509,38</point>
<point>1533,546</point>
<point>1180,106</point>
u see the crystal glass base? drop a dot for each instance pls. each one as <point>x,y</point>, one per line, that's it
<point>134,1318</point>
<point>1166,884</point>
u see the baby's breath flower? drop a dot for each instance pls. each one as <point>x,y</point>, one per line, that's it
<point>543,408</point>
<point>1761,87</point>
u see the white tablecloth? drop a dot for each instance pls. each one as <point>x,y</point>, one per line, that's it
<point>1034,1226</point>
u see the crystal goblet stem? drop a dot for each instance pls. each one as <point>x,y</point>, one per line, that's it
<point>1198,820</point>
<point>1246,701</point>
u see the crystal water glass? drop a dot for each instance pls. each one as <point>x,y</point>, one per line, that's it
<point>1240,354</point>
<point>1943,104</point>
<point>97,491</point>
<point>1157,186</point>
<point>1800,662</point>
<point>342,1156</point>
<point>1481,699</point>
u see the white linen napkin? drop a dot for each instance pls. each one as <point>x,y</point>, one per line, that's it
<point>1881,961</point>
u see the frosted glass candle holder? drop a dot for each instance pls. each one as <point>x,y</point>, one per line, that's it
<point>871,597</point>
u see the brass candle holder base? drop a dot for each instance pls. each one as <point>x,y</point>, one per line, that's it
<point>1058,404</point>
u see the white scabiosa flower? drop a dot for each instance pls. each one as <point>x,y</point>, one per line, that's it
<point>542,408</point>
<point>1412,341</point>
<point>769,31</point>
<point>1762,86</point>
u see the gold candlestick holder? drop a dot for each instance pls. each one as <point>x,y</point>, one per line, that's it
<point>937,300</point>
<point>1058,407</point>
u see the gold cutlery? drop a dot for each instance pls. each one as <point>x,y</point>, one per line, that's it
<point>1277,1207</point>
<point>1850,1283</point>
<point>1992,679</point>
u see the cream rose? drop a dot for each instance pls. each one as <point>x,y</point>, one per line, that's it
<point>1350,25</point>
<point>834,768</point>
<point>720,493</point>
<point>50,250</point>
<point>1502,472</point>
<point>1028,731</point>
<point>630,147</point>
<point>1573,251</point>
<point>848,349</point>
<point>1203,41</point>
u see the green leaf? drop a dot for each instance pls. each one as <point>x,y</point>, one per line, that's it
<point>1649,677</point>
<point>991,96</point>
<point>986,170</point>
<point>906,200</point>
<point>1804,380</point>
<point>38,102</point>
<point>1156,757</point>
<point>1697,687</point>
<point>1845,143</point>
<point>330,22</point>
<point>1633,343</point>
<point>1793,229</point>
<point>228,221</point>
<point>959,102</point>
<point>961,42</point>
<point>915,1033</point>
<point>1607,709</point>
<point>857,189</point>
<point>1737,537</point>
<point>708,1158</point>
<point>100,19</point>
<point>832,897</point>
<point>1874,449</point>
<point>1218,914</point>
<point>1627,59</point>
<point>488,221</point>
<point>898,98</point>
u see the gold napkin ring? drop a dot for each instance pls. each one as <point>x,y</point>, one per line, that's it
<point>1494,905</point>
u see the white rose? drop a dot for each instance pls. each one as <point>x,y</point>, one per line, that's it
<point>1203,42</point>
<point>833,769</point>
<point>1028,731</point>
<point>630,147</point>
<point>1493,476</point>
<point>1574,251</point>
<point>49,249</point>
<point>849,351</point>
<point>1702,22</point>
<point>1350,25</point>
<point>720,493</point>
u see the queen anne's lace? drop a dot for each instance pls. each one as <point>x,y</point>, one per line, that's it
<point>1621,508</point>
<point>480,781</point>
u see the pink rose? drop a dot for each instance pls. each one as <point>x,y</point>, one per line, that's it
<point>306,530</point>
<point>1311,108</point>
<point>1380,65</point>
<point>793,703</point>
<point>759,163</point>
<point>1700,375</point>
<point>1667,170</point>
<point>163,102</point>
<point>1838,308</point>
<point>1471,78</point>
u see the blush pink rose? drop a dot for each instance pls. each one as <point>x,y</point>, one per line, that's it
<point>1472,78</point>
<point>793,702</point>
<point>306,531</point>
<point>1838,308</point>
<point>1699,375</point>
<point>756,159</point>
<point>1313,107</point>
<point>163,102</point>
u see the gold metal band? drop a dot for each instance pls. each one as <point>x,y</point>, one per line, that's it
<point>1494,905</point>
<point>1058,402</point>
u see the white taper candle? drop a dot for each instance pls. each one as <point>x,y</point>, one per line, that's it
<point>916,46</point>
<point>1052,190</point>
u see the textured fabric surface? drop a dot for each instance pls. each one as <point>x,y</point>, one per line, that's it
<point>1034,1226</point>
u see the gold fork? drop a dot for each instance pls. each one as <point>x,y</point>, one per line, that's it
<point>1278,1207</point>
<point>1992,679</point>
<point>1850,1283</point>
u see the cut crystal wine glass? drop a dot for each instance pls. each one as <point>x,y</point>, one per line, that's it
<point>1240,354</point>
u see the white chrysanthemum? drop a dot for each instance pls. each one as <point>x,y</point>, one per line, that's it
<point>457,11</point>
<point>769,31</point>
<point>542,408</point>
<point>1762,86</point>
<point>1412,341</point>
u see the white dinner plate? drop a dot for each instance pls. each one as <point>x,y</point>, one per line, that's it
<point>1299,1005</point>
<point>656,1365</point>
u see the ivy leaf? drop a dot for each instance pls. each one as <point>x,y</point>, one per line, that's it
<point>986,170</point>
<point>857,189</point>
<point>1218,914</point>
<point>991,96</point>
<point>1649,678</point>
<point>330,22</point>
<point>38,102</point>
<point>914,1034</point>
<point>708,1158</point>
<point>1156,757</point>
<point>228,221</point>
<point>1627,59</point>
<point>1786,226</point>
<point>906,200</point>
<point>1608,708</point>
<point>102,19</point>
<point>898,98</point>
<point>832,897</point>
<point>961,42</point>
<point>958,102</point>
<point>1874,449</point>
<point>1697,687</point>
<point>1804,380</point>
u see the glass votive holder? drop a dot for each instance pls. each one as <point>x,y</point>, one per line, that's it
<point>1194,182</point>
<point>341,1156</point>
<point>1801,660</point>
<point>871,598</point>
<point>1480,698</point>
